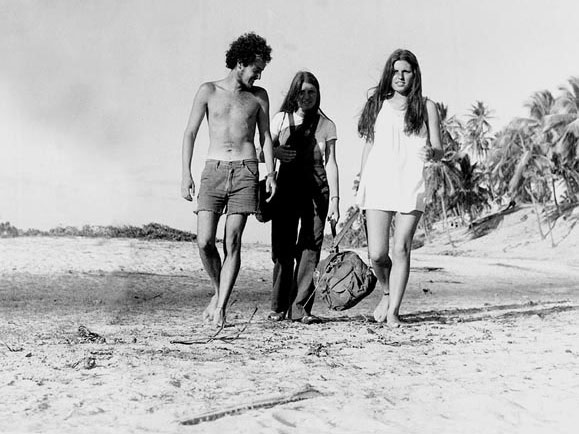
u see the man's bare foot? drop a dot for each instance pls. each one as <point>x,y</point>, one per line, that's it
<point>210,309</point>
<point>381,310</point>
<point>219,317</point>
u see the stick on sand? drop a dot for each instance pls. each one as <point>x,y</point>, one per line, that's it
<point>307,393</point>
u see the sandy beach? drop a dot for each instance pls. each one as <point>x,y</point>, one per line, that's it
<point>491,343</point>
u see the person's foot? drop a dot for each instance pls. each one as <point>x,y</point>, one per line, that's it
<point>381,311</point>
<point>210,309</point>
<point>276,316</point>
<point>310,319</point>
<point>393,320</point>
<point>219,317</point>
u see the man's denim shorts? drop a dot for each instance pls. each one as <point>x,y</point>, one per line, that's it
<point>229,187</point>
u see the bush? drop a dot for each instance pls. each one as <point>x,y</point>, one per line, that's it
<point>8,231</point>
<point>151,231</point>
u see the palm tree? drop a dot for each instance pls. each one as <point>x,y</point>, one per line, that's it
<point>442,182</point>
<point>522,142</point>
<point>478,138</point>
<point>563,124</point>
<point>520,160</point>
<point>471,195</point>
<point>541,105</point>
<point>450,129</point>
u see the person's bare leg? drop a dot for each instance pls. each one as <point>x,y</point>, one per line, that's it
<point>234,226</point>
<point>378,226</point>
<point>403,234</point>
<point>206,231</point>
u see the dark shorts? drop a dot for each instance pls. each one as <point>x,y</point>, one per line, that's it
<point>229,187</point>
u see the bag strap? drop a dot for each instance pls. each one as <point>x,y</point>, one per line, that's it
<point>314,126</point>
<point>292,123</point>
<point>338,238</point>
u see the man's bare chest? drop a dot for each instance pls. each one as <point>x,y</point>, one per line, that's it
<point>233,106</point>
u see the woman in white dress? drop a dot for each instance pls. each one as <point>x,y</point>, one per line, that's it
<point>401,130</point>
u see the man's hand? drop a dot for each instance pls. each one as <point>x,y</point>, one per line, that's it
<point>187,188</point>
<point>270,187</point>
<point>283,154</point>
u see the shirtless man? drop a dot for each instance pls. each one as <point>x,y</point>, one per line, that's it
<point>229,181</point>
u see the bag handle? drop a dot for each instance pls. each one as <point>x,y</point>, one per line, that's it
<point>338,238</point>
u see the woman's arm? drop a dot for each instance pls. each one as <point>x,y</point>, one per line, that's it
<point>283,154</point>
<point>434,132</point>
<point>333,180</point>
<point>365,152</point>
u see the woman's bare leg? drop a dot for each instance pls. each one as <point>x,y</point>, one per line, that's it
<point>403,234</point>
<point>378,226</point>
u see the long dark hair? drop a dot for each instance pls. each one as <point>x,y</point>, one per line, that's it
<point>290,102</point>
<point>415,110</point>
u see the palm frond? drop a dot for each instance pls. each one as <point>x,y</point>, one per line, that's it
<point>568,144</point>
<point>557,120</point>
<point>518,177</point>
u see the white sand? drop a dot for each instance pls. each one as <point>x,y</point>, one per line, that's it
<point>492,344</point>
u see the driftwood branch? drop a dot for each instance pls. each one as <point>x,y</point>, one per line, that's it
<point>12,350</point>
<point>307,393</point>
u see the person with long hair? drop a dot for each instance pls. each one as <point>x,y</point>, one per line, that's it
<point>401,131</point>
<point>304,141</point>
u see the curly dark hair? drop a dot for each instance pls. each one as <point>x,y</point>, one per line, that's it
<point>245,49</point>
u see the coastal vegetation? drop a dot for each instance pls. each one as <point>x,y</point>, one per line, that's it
<point>532,160</point>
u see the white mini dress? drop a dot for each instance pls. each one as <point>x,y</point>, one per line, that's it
<point>393,177</point>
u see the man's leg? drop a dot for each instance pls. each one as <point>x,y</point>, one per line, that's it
<point>206,230</point>
<point>404,232</point>
<point>234,226</point>
<point>378,224</point>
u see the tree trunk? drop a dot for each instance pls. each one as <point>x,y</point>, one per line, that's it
<point>446,225</point>
<point>555,195</point>
<point>424,223</point>
<point>471,223</point>
<point>543,236</point>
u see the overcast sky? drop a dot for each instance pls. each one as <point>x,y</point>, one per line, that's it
<point>95,94</point>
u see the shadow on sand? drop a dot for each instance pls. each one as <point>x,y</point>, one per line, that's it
<point>487,312</point>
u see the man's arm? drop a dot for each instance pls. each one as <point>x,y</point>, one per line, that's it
<point>195,118</point>
<point>265,140</point>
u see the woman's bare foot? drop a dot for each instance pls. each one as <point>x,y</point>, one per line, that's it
<point>210,309</point>
<point>393,320</point>
<point>381,310</point>
<point>219,317</point>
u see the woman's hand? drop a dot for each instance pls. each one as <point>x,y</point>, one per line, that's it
<point>426,153</point>
<point>334,209</point>
<point>356,183</point>
<point>283,154</point>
